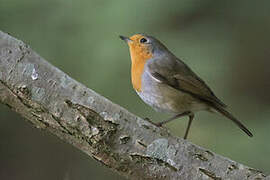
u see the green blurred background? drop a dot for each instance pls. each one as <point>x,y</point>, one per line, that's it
<point>227,43</point>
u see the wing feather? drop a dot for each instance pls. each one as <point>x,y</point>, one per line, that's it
<point>179,76</point>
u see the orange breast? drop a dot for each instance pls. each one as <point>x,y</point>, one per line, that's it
<point>139,57</point>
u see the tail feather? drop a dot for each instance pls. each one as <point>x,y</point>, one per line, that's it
<point>231,117</point>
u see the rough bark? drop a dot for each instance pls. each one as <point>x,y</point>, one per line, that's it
<point>135,148</point>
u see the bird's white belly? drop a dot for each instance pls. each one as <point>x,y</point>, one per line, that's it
<point>164,98</point>
<point>181,103</point>
<point>156,102</point>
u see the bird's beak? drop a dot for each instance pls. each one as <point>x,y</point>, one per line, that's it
<point>125,39</point>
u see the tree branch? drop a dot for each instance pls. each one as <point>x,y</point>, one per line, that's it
<point>135,148</point>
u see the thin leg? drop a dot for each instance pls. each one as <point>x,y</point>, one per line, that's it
<point>191,117</point>
<point>173,118</point>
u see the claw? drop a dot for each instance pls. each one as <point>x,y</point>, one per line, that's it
<point>147,119</point>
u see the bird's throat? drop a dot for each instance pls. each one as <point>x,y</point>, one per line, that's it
<point>139,59</point>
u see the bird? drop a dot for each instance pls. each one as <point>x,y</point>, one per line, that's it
<point>168,85</point>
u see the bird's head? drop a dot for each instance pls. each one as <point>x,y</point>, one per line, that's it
<point>143,47</point>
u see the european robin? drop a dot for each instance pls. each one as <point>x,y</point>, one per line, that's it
<point>167,84</point>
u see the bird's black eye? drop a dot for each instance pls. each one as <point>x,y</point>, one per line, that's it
<point>143,40</point>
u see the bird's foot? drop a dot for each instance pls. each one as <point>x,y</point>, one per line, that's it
<point>147,119</point>
<point>158,124</point>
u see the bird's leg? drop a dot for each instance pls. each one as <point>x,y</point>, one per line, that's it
<point>173,118</point>
<point>191,117</point>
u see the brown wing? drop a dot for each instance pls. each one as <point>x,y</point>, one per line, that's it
<point>179,76</point>
<point>197,87</point>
